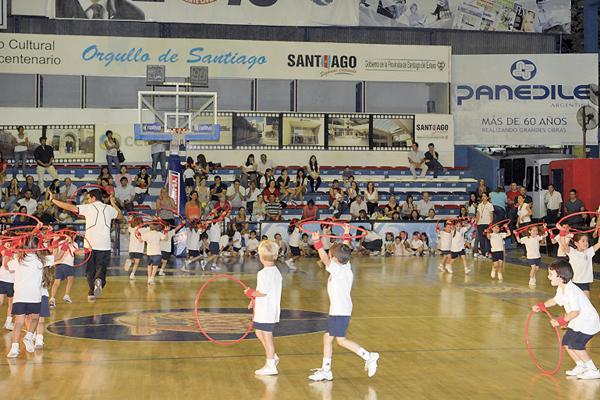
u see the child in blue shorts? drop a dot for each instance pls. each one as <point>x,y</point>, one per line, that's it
<point>64,257</point>
<point>339,285</point>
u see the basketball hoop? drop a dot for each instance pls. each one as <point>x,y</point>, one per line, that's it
<point>179,131</point>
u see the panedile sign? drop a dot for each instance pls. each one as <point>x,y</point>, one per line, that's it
<point>521,99</point>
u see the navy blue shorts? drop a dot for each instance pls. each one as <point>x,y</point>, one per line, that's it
<point>214,248</point>
<point>446,252</point>
<point>338,325</point>
<point>456,254</point>
<point>193,253</point>
<point>154,260</point>
<point>26,308</point>
<point>44,307</point>
<point>263,327</point>
<point>583,286</point>
<point>165,255</point>
<point>295,251</point>
<point>189,182</point>
<point>535,261</point>
<point>497,256</point>
<point>7,288</point>
<point>136,256</point>
<point>63,271</point>
<point>572,339</point>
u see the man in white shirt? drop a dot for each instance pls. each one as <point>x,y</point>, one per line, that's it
<point>356,206</point>
<point>424,205</point>
<point>416,159</point>
<point>98,218</point>
<point>125,193</point>
<point>553,201</point>
<point>263,165</point>
<point>236,194</point>
<point>67,190</point>
<point>28,202</point>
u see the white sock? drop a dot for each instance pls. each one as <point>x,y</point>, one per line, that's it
<point>29,336</point>
<point>39,337</point>
<point>364,354</point>
<point>15,346</point>
<point>580,363</point>
<point>590,365</point>
<point>326,364</point>
<point>271,363</point>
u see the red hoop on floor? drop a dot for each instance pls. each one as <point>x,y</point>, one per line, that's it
<point>91,186</point>
<point>201,328</point>
<point>530,351</point>
<point>594,213</point>
<point>332,223</point>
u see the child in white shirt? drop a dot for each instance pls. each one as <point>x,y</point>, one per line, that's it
<point>214,238</point>
<point>580,258</point>
<point>166,248</point>
<point>252,244</point>
<point>532,247</point>
<point>7,281</point>
<point>294,245</point>
<point>266,300</point>
<point>136,246</point>
<point>445,243</point>
<point>417,245</point>
<point>64,257</point>
<point>339,286</point>
<point>581,319</point>
<point>457,246</point>
<point>153,238</point>
<point>496,239</point>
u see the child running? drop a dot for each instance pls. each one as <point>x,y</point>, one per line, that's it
<point>580,257</point>
<point>214,237</point>
<point>267,300</point>
<point>166,248</point>
<point>153,238</point>
<point>496,239</point>
<point>581,319</point>
<point>193,247</point>
<point>7,281</point>
<point>294,245</point>
<point>136,247</point>
<point>457,246</point>
<point>445,240</point>
<point>64,257</point>
<point>339,285</point>
<point>532,248</point>
<point>47,281</point>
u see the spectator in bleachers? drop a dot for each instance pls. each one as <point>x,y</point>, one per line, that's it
<point>391,207</point>
<point>314,174</point>
<point>463,212</point>
<point>123,173</point>
<point>11,194</point>
<point>431,215</point>
<point>44,157</point>
<point>425,204</point>
<point>252,194</point>
<point>158,152</point>
<point>300,185</point>
<point>523,192</point>
<point>22,220</point>
<point>125,194</point>
<point>483,219</point>
<point>221,206</point>
<point>28,202</point>
<point>248,171</point>
<point>416,160</point>
<point>353,191</point>
<point>3,168</point>
<point>29,184</point>
<point>336,199</point>
<point>310,211</point>
<point>482,188</point>
<point>432,160</point>
<point>236,194</point>
<point>203,193</point>
<point>363,216</point>
<point>54,188</point>
<point>259,211</point>
<point>217,188</point>
<point>271,190</point>
<point>142,185</point>
<point>498,199</point>
<point>105,173</point>
<point>67,190</point>
<point>357,206</point>
<point>408,207</point>
<point>273,208</point>
<point>202,166</point>
<point>472,204</point>
<point>414,216</point>
<point>371,198</point>
<point>109,189</point>
<point>193,210</point>
<point>165,206</point>
<point>263,164</point>
<point>241,216</point>
<point>396,216</point>
<point>111,145</point>
<point>283,184</point>
<point>21,144</point>
<point>553,202</point>
<point>266,178</point>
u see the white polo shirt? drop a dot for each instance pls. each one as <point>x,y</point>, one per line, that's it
<point>136,245</point>
<point>252,244</point>
<point>153,239</point>
<point>424,206</point>
<point>339,287</point>
<point>214,233</point>
<point>532,246</point>
<point>484,211</point>
<point>68,257</point>
<point>30,204</point>
<point>553,201</point>
<point>193,240</point>
<point>268,308</point>
<point>6,275</point>
<point>28,279</point>
<point>166,244</point>
<point>445,240</point>
<point>581,262</point>
<point>497,241</point>
<point>458,239</point>
<point>98,217</point>
<point>573,299</point>
<point>295,238</point>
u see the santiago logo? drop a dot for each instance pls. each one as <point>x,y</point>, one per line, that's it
<point>523,70</point>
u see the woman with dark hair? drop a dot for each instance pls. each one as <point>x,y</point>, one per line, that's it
<point>472,204</point>
<point>414,216</point>
<point>21,144</point>
<point>310,210</point>
<point>22,220</point>
<point>112,148</point>
<point>193,210</point>
<point>3,167</point>
<point>248,171</point>
<point>300,188</point>
<point>271,190</point>
<point>142,181</point>
<point>54,188</point>
<point>371,198</point>
<point>105,173</point>
<point>314,174</point>
<point>11,194</point>
<point>408,207</point>
<point>202,167</point>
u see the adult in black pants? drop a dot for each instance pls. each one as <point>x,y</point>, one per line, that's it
<point>314,173</point>
<point>98,220</point>
<point>432,160</point>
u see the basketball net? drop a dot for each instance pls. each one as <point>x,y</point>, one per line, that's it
<point>177,139</point>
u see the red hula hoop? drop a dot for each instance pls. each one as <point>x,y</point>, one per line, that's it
<point>201,328</point>
<point>16,214</point>
<point>205,222</point>
<point>333,223</point>
<point>595,213</point>
<point>86,249</point>
<point>502,223</point>
<point>86,187</point>
<point>530,351</point>
<point>524,228</point>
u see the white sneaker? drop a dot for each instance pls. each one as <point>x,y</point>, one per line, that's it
<point>589,374</point>
<point>29,344</point>
<point>39,342</point>
<point>276,358</point>
<point>321,375</point>
<point>98,288</point>
<point>203,264</point>
<point>132,277</point>
<point>441,267</point>
<point>493,274</point>
<point>500,277</point>
<point>14,351</point>
<point>449,269</point>
<point>127,265</point>
<point>532,282</point>
<point>161,272</point>
<point>52,302</point>
<point>214,267</point>
<point>578,370</point>
<point>67,298</point>
<point>9,325</point>
<point>467,271</point>
<point>266,371</point>
<point>371,364</point>
<point>151,281</point>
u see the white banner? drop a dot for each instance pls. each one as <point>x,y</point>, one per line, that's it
<point>435,128</point>
<point>128,56</point>
<point>522,99</point>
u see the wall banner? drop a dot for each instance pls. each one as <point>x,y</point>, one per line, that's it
<point>434,128</point>
<point>519,99</point>
<point>129,56</point>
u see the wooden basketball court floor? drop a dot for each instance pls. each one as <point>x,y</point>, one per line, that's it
<point>440,336</point>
